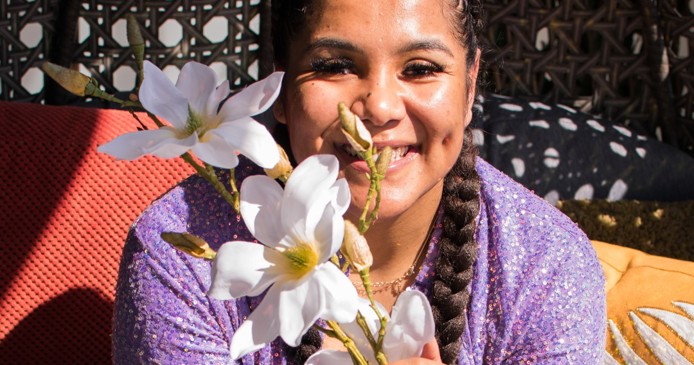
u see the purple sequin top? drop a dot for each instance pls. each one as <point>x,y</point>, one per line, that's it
<point>537,295</point>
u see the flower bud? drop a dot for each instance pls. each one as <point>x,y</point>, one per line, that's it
<point>355,249</point>
<point>353,128</point>
<point>383,160</point>
<point>136,42</point>
<point>71,80</point>
<point>282,169</point>
<point>190,244</point>
<point>133,32</point>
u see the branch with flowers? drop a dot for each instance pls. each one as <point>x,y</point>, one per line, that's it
<point>300,226</point>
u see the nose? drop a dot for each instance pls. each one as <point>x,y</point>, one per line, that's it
<point>381,101</point>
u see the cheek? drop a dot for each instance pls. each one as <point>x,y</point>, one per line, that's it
<point>310,113</point>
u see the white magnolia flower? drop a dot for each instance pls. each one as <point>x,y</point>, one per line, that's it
<point>300,229</point>
<point>197,123</point>
<point>408,330</point>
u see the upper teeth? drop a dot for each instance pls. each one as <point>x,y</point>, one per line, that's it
<point>398,152</point>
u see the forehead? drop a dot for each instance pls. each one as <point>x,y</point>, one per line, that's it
<point>381,20</point>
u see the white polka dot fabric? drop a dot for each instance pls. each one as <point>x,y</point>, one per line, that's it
<point>561,153</point>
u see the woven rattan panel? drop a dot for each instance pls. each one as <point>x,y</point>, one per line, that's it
<point>25,31</point>
<point>677,31</point>
<point>223,34</point>
<point>65,214</point>
<point>581,53</point>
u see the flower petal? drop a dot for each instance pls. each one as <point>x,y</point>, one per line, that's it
<point>197,83</point>
<point>216,152</point>
<point>329,357</point>
<point>254,99</point>
<point>341,301</point>
<point>410,327</point>
<point>159,142</point>
<point>328,232</point>
<point>242,269</point>
<point>260,202</point>
<point>160,97</point>
<point>325,293</point>
<point>309,183</point>
<point>299,308</point>
<point>221,93</point>
<point>261,327</point>
<point>252,139</point>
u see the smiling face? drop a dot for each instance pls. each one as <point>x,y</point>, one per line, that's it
<point>399,66</point>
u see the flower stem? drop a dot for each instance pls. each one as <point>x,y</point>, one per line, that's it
<point>211,176</point>
<point>349,344</point>
<point>365,223</point>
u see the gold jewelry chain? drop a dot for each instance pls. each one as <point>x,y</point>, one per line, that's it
<point>410,270</point>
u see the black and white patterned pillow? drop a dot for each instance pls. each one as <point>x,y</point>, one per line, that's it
<point>562,154</point>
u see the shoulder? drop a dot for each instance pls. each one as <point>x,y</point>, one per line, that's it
<point>195,207</point>
<point>509,204</point>
<point>535,266</point>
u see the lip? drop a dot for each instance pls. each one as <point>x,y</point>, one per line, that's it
<point>360,165</point>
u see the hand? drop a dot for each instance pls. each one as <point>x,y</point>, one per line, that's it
<point>430,355</point>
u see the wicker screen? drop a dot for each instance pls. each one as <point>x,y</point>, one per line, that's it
<point>676,26</point>
<point>26,28</point>
<point>599,56</point>
<point>223,34</point>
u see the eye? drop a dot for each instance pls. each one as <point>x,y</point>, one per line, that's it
<point>333,66</point>
<point>422,69</point>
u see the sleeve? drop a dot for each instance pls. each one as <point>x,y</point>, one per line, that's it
<point>560,307</point>
<point>162,314</point>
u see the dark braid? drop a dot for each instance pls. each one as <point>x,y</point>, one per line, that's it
<point>457,252</point>
<point>310,343</point>
<point>457,249</point>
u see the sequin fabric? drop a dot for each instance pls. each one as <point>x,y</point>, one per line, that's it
<point>537,294</point>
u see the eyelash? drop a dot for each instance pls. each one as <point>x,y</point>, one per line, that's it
<point>421,69</point>
<point>332,66</point>
<point>343,66</point>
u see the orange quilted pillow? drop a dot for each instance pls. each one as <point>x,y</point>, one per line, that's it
<point>650,306</point>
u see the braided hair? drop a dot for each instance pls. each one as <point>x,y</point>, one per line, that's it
<point>457,248</point>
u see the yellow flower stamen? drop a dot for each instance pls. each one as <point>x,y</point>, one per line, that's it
<point>302,258</point>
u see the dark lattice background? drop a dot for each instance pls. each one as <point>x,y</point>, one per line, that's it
<point>25,31</point>
<point>604,57</point>
<point>626,60</point>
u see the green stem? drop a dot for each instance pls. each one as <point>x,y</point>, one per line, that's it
<point>364,224</point>
<point>213,179</point>
<point>361,321</point>
<point>378,346</point>
<point>349,344</point>
<point>234,191</point>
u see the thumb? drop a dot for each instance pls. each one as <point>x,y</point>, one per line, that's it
<point>431,351</point>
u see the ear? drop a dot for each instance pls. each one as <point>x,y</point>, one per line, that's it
<point>472,85</point>
<point>278,111</point>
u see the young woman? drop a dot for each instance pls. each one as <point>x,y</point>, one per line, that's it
<point>509,278</point>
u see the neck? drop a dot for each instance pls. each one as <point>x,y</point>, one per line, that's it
<point>395,241</point>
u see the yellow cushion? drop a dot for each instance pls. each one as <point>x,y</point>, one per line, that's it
<point>641,287</point>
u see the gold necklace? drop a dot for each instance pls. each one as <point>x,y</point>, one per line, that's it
<point>379,286</point>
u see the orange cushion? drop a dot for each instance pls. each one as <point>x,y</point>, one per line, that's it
<point>640,288</point>
<point>65,213</point>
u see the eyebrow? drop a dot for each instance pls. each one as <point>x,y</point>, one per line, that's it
<point>332,43</point>
<point>426,45</point>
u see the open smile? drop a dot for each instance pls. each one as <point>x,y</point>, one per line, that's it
<point>401,155</point>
